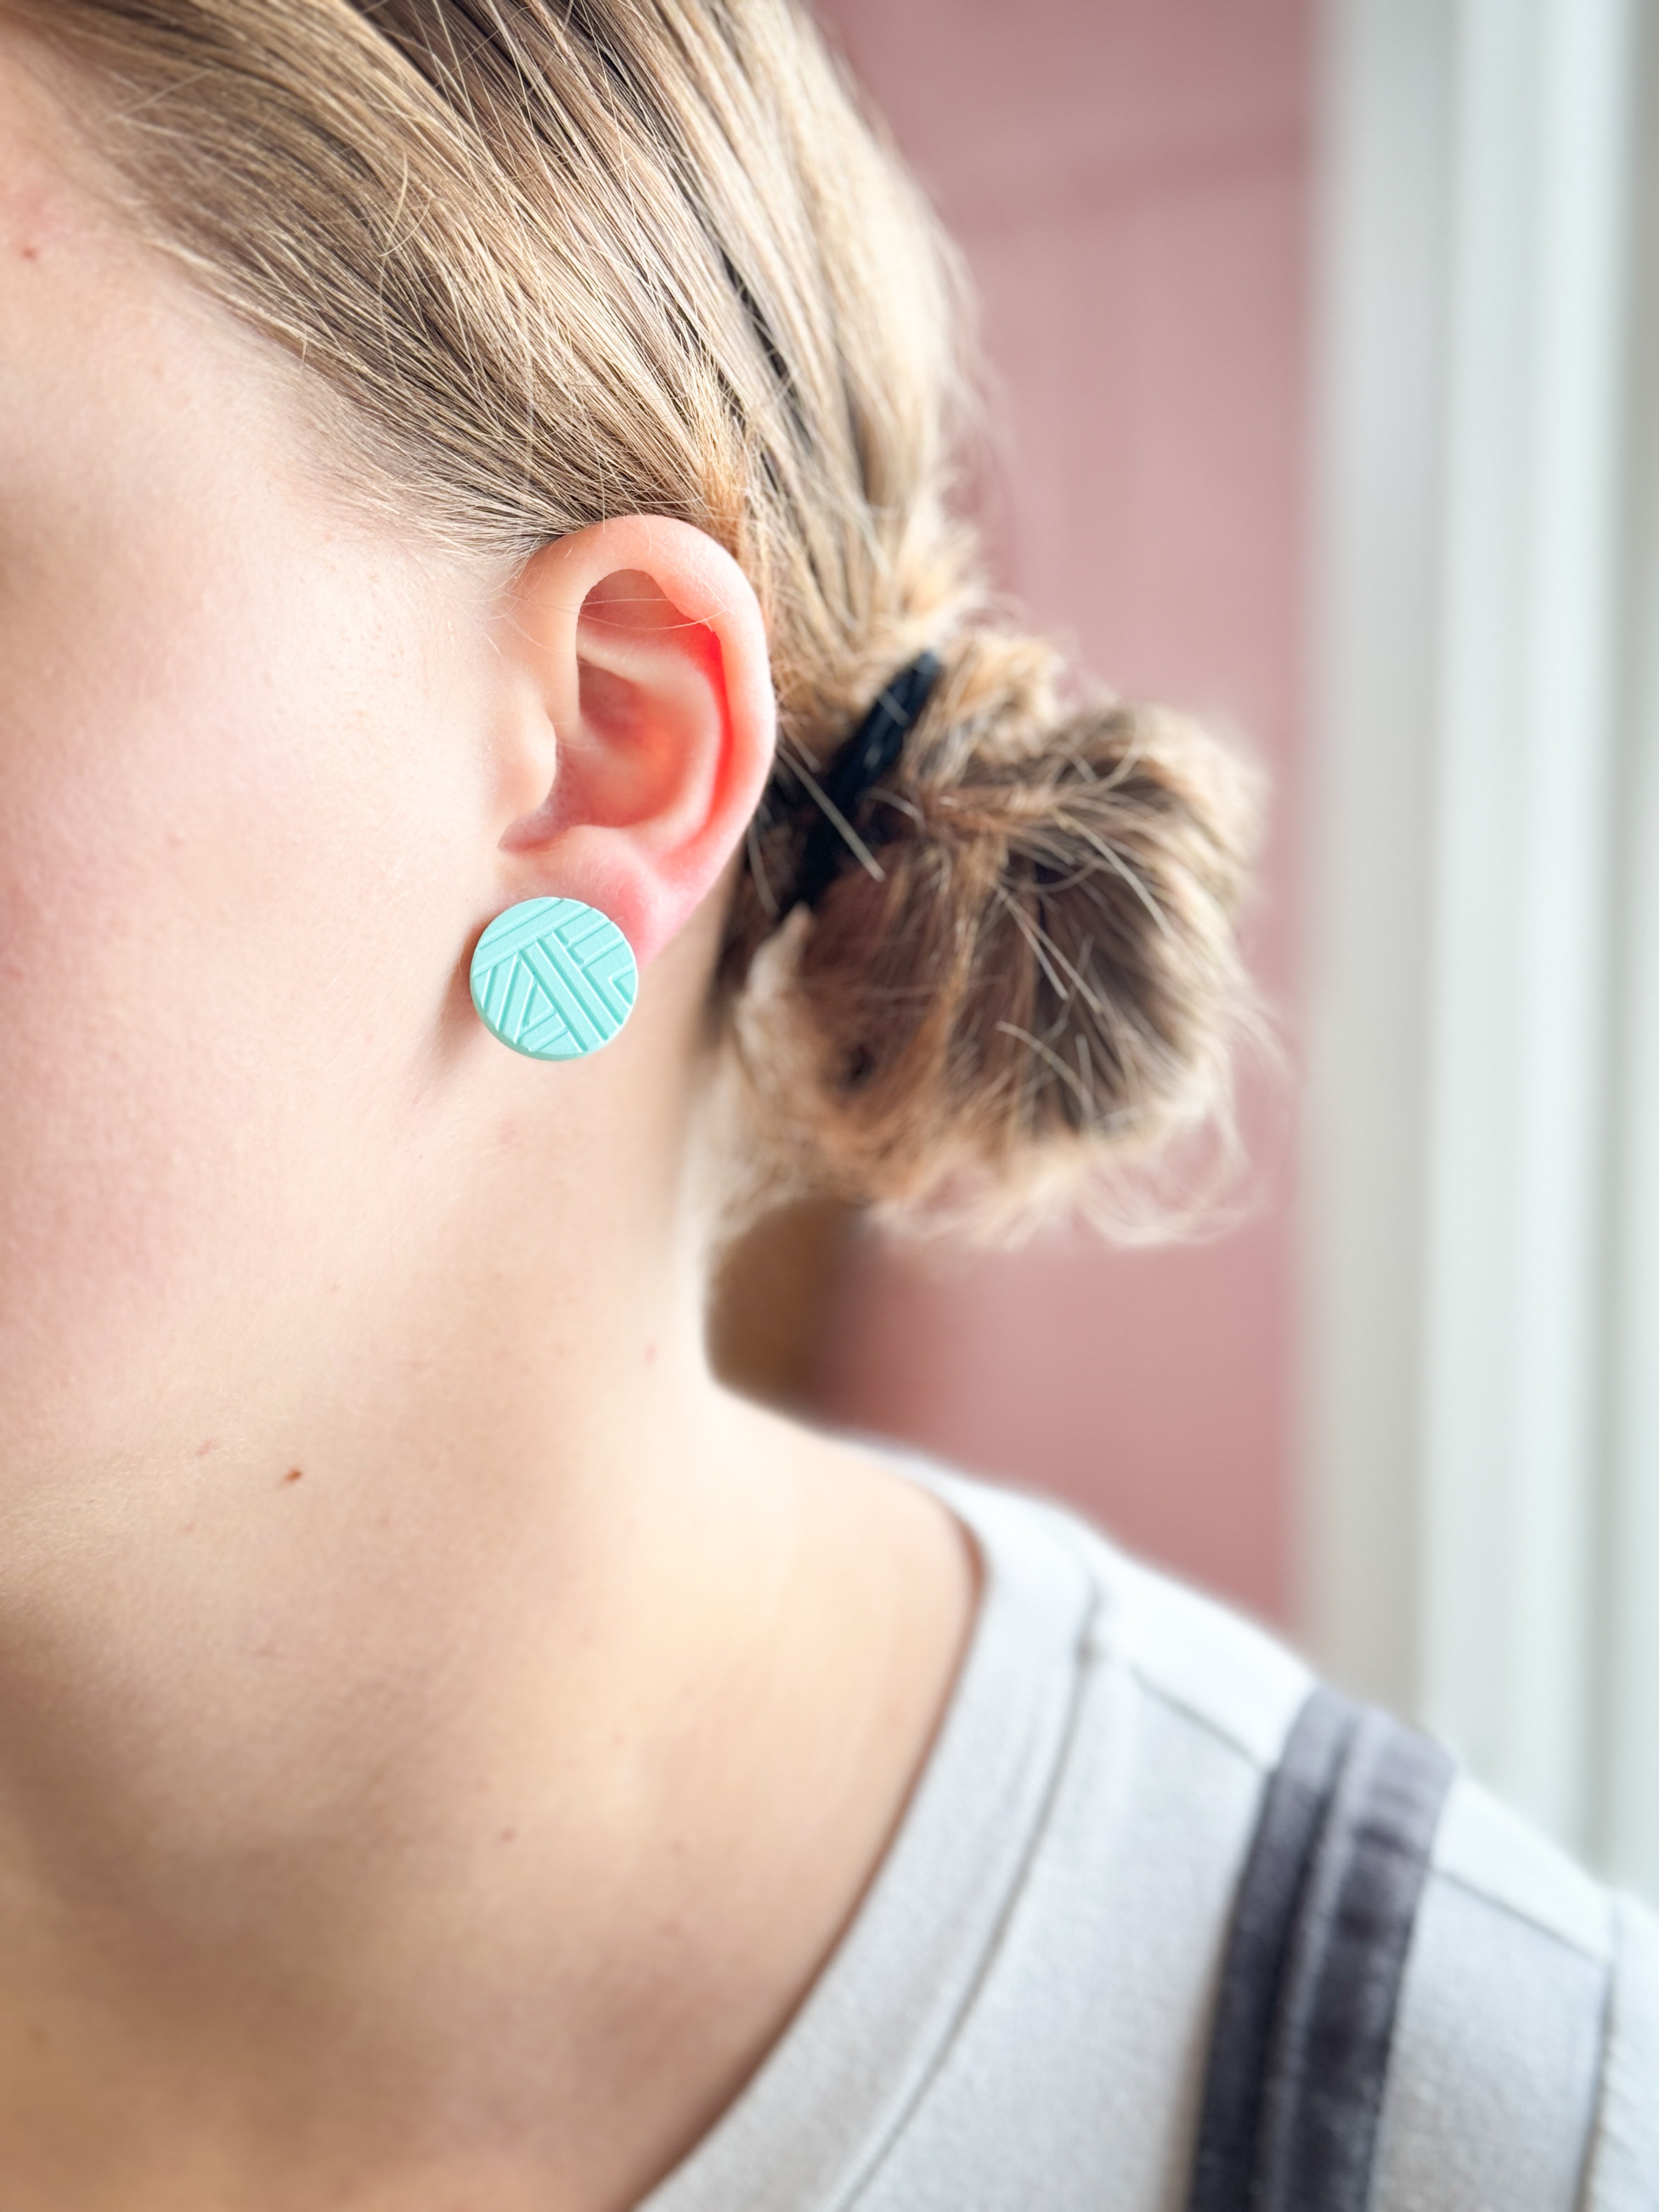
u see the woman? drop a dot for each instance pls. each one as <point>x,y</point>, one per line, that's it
<point>457,455</point>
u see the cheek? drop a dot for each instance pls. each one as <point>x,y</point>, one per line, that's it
<point>236,846</point>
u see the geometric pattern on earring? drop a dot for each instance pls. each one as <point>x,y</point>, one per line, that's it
<point>553,978</point>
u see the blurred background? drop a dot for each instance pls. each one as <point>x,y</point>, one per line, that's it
<point>1323,345</point>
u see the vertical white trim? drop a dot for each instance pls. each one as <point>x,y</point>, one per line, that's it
<point>1375,585</point>
<point>1517,1105</point>
<point>1467,705</point>
<point>1629,1837</point>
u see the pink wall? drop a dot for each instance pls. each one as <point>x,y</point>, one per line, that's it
<point>1131,179</point>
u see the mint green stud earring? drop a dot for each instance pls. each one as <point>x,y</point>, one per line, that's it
<point>553,978</point>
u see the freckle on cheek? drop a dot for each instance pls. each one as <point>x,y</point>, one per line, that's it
<point>294,1474</point>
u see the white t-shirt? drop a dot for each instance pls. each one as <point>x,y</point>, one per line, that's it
<point>1018,2018</point>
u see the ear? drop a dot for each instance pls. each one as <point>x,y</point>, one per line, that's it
<point>642,726</point>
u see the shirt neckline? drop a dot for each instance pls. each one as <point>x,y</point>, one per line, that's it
<point>836,2090</point>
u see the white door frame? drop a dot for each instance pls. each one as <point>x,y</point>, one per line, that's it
<point>1481,1521</point>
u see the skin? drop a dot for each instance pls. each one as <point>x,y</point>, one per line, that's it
<point>444,1734</point>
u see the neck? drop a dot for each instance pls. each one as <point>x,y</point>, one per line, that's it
<point>458,1780</point>
<point>281,1620</point>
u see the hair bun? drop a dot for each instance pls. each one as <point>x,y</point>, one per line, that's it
<point>1043,984</point>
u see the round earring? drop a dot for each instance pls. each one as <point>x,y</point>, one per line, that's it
<point>553,978</point>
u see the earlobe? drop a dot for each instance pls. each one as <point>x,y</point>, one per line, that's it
<point>646,653</point>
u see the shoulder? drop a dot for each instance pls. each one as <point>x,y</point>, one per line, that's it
<point>1185,1654</point>
<point>1525,2054</point>
<point>1525,2068</point>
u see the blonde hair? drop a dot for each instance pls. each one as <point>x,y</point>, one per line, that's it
<point>567,258</point>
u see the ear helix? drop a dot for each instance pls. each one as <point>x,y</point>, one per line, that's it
<point>554,979</point>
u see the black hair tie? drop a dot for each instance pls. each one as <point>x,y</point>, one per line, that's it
<point>859,765</point>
